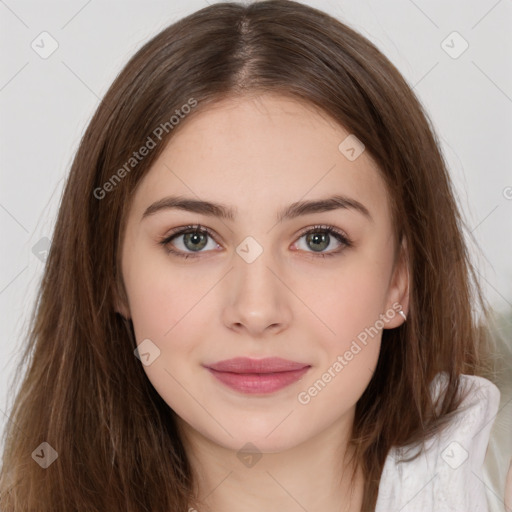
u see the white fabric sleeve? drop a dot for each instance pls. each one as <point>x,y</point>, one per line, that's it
<point>447,476</point>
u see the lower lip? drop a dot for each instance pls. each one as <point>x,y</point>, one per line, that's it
<point>259,382</point>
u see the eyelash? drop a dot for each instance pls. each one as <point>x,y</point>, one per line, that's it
<point>197,228</point>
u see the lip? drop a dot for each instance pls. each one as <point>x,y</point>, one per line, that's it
<point>257,375</point>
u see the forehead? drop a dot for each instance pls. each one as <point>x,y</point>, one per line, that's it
<point>262,152</point>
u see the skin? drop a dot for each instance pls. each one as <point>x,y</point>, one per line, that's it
<point>258,155</point>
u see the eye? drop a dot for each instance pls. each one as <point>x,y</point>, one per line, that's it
<point>319,238</point>
<point>193,239</point>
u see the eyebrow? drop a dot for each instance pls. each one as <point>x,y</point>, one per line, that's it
<point>225,212</point>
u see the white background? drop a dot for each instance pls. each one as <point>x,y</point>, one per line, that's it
<point>45,105</point>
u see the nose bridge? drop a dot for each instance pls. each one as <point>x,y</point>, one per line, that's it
<point>254,280</point>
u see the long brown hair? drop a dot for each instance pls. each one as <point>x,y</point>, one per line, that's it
<point>87,395</point>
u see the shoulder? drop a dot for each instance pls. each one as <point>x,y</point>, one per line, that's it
<point>447,475</point>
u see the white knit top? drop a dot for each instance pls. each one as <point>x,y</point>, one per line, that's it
<point>448,475</point>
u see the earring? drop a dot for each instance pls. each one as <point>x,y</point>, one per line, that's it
<point>403,314</point>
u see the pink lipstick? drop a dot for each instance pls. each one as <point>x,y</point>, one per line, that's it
<point>257,375</point>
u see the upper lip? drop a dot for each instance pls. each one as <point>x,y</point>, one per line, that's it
<point>248,365</point>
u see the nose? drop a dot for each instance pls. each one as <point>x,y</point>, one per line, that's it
<point>257,300</point>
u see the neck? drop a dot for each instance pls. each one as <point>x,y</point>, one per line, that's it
<point>314,475</point>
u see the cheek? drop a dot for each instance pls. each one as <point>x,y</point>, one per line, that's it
<point>161,297</point>
<point>166,308</point>
<point>152,306</point>
<point>347,300</point>
<point>171,307</point>
<point>348,339</point>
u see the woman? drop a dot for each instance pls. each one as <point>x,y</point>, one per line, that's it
<point>258,294</point>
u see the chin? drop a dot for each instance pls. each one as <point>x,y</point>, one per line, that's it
<point>276,438</point>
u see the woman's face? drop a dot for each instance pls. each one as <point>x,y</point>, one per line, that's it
<point>255,285</point>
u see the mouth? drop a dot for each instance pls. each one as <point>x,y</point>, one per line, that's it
<point>257,376</point>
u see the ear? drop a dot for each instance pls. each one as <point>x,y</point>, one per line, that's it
<point>120,301</point>
<point>398,292</point>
